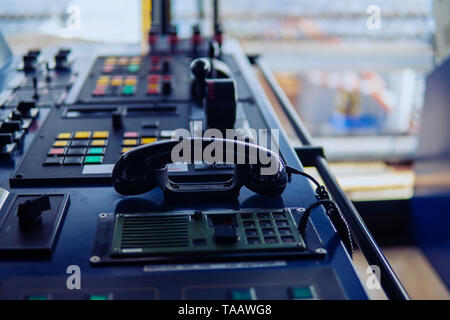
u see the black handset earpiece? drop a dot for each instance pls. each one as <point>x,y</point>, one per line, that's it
<point>143,168</point>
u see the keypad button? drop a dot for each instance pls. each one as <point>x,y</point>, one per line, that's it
<point>263,215</point>
<point>61,143</point>
<point>98,143</point>
<point>265,223</point>
<point>64,136</point>
<point>147,140</point>
<point>153,88</point>
<point>96,151</point>
<point>301,293</point>
<point>93,160</point>
<point>288,239</point>
<point>253,240</point>
<point>53,161</point>
<point>80,143</point>
<point>100,135</point>
<point>125,149</point>
<point>268,232</point>
<point>166,133</point>
<point>73,160</point>
<point>99,297</point>
<point>129,142</point>
<point>284,230</point>
<point>116,81</point>
<point>248,224</point>
<point>251,232</point>
<point>270,240</point>
<point>128,90</point>
<point>38,297</point>
<point>57,151</point>
<point>244,294</point>
<point>149,133</point>
<point>133,68</point>
<point>131,134</point>
<point>282,223</point>
<point>246,215</point>
<point>76,151</point>
<point>279,215</point>
<point>82,135</point>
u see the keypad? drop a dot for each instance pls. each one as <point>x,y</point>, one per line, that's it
<point>268,228</point>
<point>132,139</point>
<point>115,85</point>
<point>121,64</point>
<point>77,148</point>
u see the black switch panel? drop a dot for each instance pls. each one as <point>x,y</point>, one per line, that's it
<point>37,239</point>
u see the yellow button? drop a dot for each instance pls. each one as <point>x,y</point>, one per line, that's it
<point>100,135</point>
<point>116,82</point>
<point>64,136</point>
<point>129,142</point>
<point>153,86</point>
<point>61,143</point>
<point>123,61</point>
<point>98,143</point>
<point>102,82</point>
<point>131,82</point>
<point>147,140</point>
<point>126,149</point>
<point>82,135</point>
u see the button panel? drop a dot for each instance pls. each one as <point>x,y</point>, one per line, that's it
<point>77,148</point>
<point>271,228</point>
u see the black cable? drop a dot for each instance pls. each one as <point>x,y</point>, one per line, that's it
<point>291,170</point>
<point>304,219</point>
<point>332,210</point>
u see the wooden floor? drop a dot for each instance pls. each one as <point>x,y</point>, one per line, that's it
<point>414,271</point>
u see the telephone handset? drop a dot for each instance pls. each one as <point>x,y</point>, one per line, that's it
<point>144,168</point>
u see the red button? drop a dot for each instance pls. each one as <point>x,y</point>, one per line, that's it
<point>153,78</point>
<point>130,134</point>
<point>56,151</point>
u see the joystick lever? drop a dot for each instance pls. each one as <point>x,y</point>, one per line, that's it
<point>29,212</point>
<point>200,68</point>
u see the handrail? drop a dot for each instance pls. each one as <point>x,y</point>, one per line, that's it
<point>367,244</point>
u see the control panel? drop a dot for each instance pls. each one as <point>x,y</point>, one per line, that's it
<point>86,182</point>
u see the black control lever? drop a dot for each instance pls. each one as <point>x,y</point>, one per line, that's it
<point>24,107</point>
<point>10,126</point>
<point>212,50</point>
<point>5,138</point>
<point>35,88</point>
<point>200,68</point>
<point>29,212</point>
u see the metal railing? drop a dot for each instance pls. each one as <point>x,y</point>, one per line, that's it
<point>367,244</point>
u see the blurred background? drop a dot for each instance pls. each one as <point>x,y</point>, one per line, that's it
<point>355,71</point>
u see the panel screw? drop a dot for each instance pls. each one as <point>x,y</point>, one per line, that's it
<point>300,209</point>
<point>321,251</point>
<point>103,215</point>
<point>94,259</point>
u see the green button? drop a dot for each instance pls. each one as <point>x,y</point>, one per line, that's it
<point>133,68</point>
<point>128,90</point>
<point>95,151</point>
<point>98,297</point>
<point>245,294</point>
<point>37,297</point>
<point>93,159</point>
<point>300,293</point>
